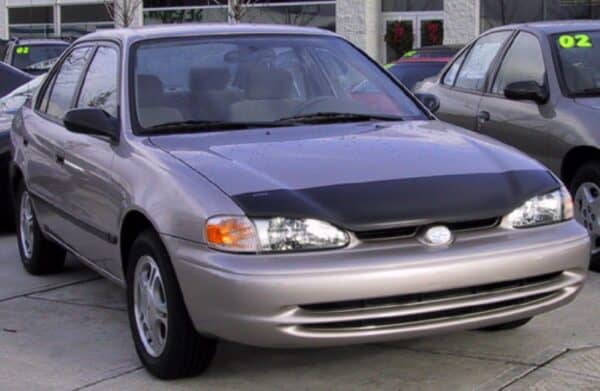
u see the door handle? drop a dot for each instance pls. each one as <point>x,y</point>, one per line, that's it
<point>60,157</point>
<point>483,117</point>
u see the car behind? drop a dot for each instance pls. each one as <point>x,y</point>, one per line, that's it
<point>536,87</point>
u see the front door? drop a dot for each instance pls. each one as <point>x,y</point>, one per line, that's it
<point>405,31</point>
<point>95,198</point>
<point>522,124</point>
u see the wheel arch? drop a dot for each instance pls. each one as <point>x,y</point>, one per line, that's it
<point>133,224</point>
<point>15,176</point>
<point>574,159</point>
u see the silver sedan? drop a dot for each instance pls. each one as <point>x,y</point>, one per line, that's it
<point>274,186</point>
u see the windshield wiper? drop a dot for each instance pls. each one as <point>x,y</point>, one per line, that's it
<point>198,126</point>
<point>332,117</point>
<point>590,91</point>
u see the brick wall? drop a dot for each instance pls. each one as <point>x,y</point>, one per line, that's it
<point>461,21</point>
<point>360,21</point>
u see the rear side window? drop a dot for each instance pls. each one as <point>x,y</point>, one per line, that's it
<point>473,73</point>
<point>65,82</point>
<point>450,76</point>
<point>524,61</point>
<point>100,86</point>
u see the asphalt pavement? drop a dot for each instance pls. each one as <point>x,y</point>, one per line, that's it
<point>69,331</point>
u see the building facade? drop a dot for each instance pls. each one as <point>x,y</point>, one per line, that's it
<point>384,28</point>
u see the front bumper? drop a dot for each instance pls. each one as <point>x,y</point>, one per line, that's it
<point>380,291</point>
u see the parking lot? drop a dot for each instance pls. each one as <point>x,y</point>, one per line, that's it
<point>70,331</point>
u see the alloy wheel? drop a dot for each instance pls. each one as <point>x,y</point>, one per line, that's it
<point>587,211</point>
<point>26,231</point>
<point>150,306</point>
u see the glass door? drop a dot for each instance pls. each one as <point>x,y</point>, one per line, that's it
<point>406,31</point>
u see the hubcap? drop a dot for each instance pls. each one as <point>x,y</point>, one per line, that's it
<point>587,211</point>
<point>150,306</point>
<point>26,225</point>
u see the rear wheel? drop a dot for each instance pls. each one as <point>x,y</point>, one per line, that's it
<point>585,188</point>
<point>507,326</point>
<point>164,336</point>
<point>38,254</point>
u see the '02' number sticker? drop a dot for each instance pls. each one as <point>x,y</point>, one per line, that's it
<point>569,41</point>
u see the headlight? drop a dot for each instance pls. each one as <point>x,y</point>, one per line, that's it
<point>278,234</point>
<point>544,209</point>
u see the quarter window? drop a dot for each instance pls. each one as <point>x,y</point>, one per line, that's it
<point>100,86</point>
<point>524,61</point>
<point>65,83</point>
<point>473,73</point>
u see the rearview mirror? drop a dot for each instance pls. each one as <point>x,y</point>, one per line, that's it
<point>92,121</point>
<point>430,101</point>
<point>527,90</point>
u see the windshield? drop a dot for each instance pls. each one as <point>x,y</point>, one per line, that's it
<point>579,56</point>
<point>259,79</point>
<point>13,101</point>
<point>26,55</point>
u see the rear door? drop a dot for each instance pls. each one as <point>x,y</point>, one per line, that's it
<point>463,84</point>
<point>522,124</point>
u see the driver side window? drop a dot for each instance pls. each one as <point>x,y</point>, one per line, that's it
<point>524,61</point>
<point>59,93</point>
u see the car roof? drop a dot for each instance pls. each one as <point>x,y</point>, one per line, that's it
<point>39,41</point>
<point>554,27</point>
<point>207,29</point>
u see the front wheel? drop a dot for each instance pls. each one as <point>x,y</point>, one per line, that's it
<point>38,254</point>
<point>164,336</point>
<point>585,188</point>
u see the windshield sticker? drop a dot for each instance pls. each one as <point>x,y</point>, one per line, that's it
<point>23,50</point>
<point>568,41</point>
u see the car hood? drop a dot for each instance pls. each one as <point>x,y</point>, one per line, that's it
<point>364,176</point>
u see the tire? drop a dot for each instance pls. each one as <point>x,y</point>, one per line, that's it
<point>40,256</point>
<point>178,351</point>
<point>588,175</point>
<point>507,326</point>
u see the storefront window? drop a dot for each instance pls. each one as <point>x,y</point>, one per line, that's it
<point>315,15</point>
<point>31,22</point>
<point>186,15</point>
<point>500,12</point>
<point>412,5</point>
<point>82,19</point>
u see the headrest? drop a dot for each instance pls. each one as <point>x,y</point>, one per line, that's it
<point>268,83</point>
<point>150,91</point>
<point>209,79</point>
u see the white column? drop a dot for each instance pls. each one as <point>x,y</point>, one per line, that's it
<point>57,20</point>
<point>359,21</point>
<point>3,20</point>
<point>461,21</point>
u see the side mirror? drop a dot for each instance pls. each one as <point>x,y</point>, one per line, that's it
<point>430,101</point>
<point>527,90</point>
<point>93,122</point>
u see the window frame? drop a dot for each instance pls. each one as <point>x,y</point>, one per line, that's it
<point>491,70</point>
<point>81,82</point>
<point>498,66</point>
<point>48,85</point>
